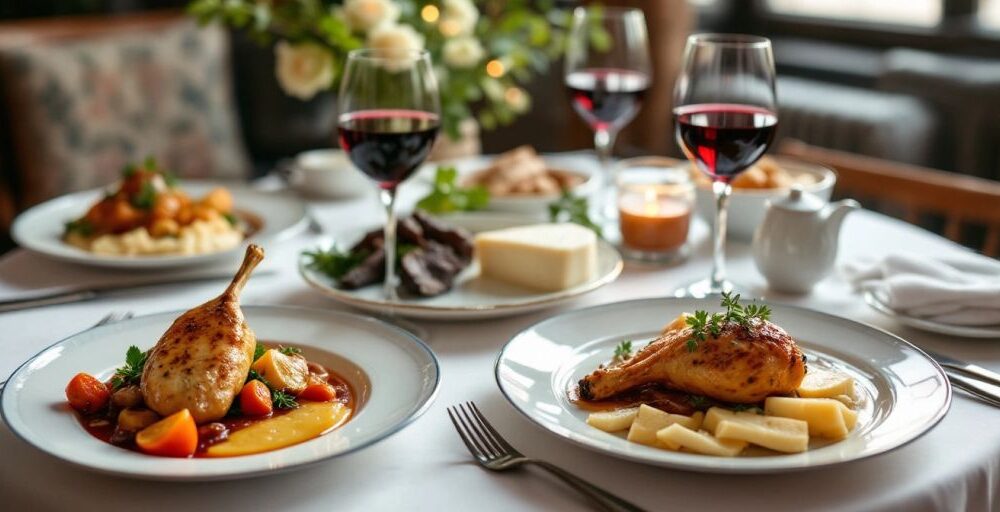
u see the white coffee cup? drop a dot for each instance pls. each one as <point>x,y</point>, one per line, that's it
<point>327,173</point>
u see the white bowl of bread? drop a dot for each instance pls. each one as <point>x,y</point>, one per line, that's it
<point>769,178</point>
<point>522,181</point>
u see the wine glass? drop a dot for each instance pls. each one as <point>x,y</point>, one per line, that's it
<point>389,110</point>
<point>725,117</point>
<point>607,73</point>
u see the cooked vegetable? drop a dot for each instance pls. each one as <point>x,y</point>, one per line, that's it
<point>651,420</point>
<point>255,399</point>
<point>282,372</point>
<point>131,373</point>
<point>173,436</point>
<point>613,421</point>
<point>318,371</point>
<point>87,394</point>
<point>699,442</point>
<point>134,420</point>
<point>128,396</point>
<point>302,424</point>
<point>318,391</point>
<point>826,417</point>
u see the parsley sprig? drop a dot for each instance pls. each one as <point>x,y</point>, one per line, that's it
<point>623,351</point>
<point>131,373</point>
<point>703,324</point>
<point>448,196</point>
<point>571,208</point>
<point>334,262</point>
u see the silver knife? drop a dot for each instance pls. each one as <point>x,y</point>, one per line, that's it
<point>973,387</point>
<point>969,369</point>
<point>85,294</point>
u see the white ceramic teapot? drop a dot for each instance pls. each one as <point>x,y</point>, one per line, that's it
<point>795,245</point>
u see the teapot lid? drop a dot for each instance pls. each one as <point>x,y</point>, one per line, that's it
<point>799,200</point>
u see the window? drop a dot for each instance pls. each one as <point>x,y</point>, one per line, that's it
<point>920,13</point>
<point>989,14</point>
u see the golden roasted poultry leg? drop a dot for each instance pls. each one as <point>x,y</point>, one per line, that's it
<point>202,360</point>
<point>740,365</point>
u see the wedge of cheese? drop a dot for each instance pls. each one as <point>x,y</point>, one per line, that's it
<point>546,257</point>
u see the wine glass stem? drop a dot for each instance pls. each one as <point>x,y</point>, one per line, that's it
<point>604,142</point>
<point>722,191</point>
<point>388,197</point>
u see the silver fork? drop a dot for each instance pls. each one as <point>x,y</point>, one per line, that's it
<point>494,453</point>
<point>110,318</point>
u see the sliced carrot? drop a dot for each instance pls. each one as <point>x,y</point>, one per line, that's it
<point>255,399</point>
<point>318,391</point>
<point>173,436</point>
<point>87,394</point>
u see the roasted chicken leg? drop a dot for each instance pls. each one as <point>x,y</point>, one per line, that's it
<point>201,362</point>
<point>741,365</point>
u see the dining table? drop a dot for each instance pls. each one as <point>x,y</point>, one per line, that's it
<point>955,466</point>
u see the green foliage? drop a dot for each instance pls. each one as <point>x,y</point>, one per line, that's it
<point>623,351</point>
<point>571,208</point>
<point>525,35</point>
<point>334,262</point>
<point>81,226</point>
<point>131,373</point>
<point>282,400</point>
<point>702,324</point>
<point>258,352</point>
<point>290,351</point>
<point>448,197</point>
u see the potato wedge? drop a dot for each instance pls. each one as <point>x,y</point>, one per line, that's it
<point>650,420</point>
<point>779,434</point>
<point>825,416</point>
<point>699,441</point>
<point>825,384</point>
<point>613,421</point>
<point>286,373</point>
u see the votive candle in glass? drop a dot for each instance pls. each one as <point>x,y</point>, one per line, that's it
<point>655,201</point>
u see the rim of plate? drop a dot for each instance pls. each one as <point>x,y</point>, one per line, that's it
<point>967,331</point>
<point>76,255</point>
<point>418,411</point>
<point>680,465</point>
<point>542,300</point>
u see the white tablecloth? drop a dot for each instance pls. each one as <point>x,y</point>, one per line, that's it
<point>425,467</point>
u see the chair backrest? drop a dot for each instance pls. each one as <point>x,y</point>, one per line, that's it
<point>961,201</point>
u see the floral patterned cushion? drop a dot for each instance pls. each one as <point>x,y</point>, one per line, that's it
<point>80,110</point>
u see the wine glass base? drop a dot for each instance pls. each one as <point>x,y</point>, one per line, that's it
<point>703,288</point>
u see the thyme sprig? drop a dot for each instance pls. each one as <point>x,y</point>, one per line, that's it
<point>703,324</point>
<point>623,351</point>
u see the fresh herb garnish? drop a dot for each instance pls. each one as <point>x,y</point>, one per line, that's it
<point>258,351</point>
<point>146,196</point>
<point>573,209</point>
<point>623,351</point>
<point>447,196</point>
<point>81,226</point>
<point>334,262</point>
<point>282,400</point>
<point>702,324</point>
<point>131,373</point>
<point>747,408</point>
<point>699,402</point>
<point>230,218</point>
<point>290,351</point>
<point>255,375</point>
<point>129,170</point>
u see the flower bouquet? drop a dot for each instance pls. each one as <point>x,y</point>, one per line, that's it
<point>483,55</point>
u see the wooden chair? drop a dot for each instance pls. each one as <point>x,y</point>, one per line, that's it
<point>961,201</point>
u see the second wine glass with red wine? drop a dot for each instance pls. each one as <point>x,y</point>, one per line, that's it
<point>389,118</point>
<point>607,74</point>
<point>725,116</point>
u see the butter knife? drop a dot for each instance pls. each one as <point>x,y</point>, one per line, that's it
<point>70,296</point>
<point>973,388</point>
<point>969,369</point>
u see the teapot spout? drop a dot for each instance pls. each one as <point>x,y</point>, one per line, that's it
<point>836,212</point>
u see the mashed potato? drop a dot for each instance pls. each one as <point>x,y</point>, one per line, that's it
<point>199,237</point>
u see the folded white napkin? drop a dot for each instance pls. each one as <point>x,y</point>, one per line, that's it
<point>956,289</point>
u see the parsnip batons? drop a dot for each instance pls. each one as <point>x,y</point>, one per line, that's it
<point>699,442</point>
<point>825,384</point>
<point>613,421</point>
<point>650,420</point>
<point>826,417</point>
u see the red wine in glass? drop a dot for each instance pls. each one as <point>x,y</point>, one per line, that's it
<point>606,98</point>
<point>388,145</point>
<point>724,139</point>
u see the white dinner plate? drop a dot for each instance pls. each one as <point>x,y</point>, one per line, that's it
<point>471,297</point>
<point>902,392</point>
<point>394,375</point>
<point>40,228</point>
<point>966,331</point>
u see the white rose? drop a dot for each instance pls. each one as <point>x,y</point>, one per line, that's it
<point>463,52</point>
<point>458,17</point>
<point>364,15</point>
<point>394,42</point>
<point>303,69</point>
